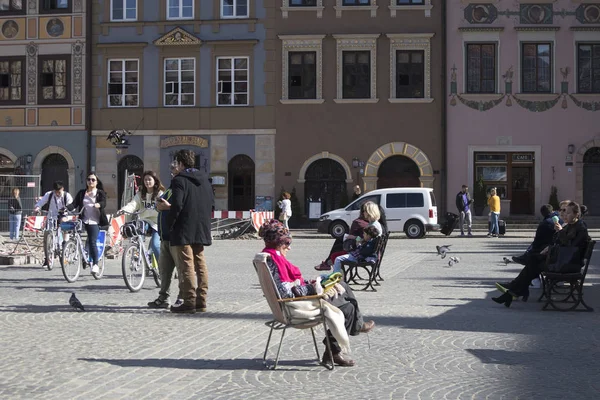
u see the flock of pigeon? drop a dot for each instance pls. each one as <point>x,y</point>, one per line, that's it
<point>443,251</point>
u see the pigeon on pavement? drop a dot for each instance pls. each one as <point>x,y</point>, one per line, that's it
<point>442,250</point>
<point>506,261</point>
<point>450,262</point>
<point>75,303</point>
<point>455,259</point>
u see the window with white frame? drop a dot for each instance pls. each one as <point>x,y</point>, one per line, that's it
<point>123,10</point>
<point>232,81</point>
<point>234,8</point>
<point>180,76</point>
<point>180,9</point>
<point>410,67</point>
<point>123,83</point>
<point>356,68</point>
<point>302,69</point>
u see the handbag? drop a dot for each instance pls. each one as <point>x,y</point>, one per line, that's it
<point>283,216</point>
<point>563,259</point>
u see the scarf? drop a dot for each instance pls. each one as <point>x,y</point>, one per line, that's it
<point>288,272</point>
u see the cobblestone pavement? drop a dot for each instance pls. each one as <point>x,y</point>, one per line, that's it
<point>438,334</point>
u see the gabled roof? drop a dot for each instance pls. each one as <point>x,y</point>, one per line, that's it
<point>177,37</point>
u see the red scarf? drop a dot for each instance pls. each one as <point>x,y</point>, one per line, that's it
<point>288,272</point>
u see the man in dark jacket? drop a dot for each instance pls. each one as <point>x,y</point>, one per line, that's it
<point>189,230</point>
<point>544,234</point>
<point>463,204</point>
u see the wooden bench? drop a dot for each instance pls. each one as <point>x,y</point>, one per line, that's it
<point>364,274</point>
<point>564,291</point>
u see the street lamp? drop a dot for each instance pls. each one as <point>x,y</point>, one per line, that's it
<point>356,164</point>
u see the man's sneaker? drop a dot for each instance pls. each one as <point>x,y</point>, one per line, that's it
<point>178,303</point>
<point>323,266</point>
<point>184,309</point>
<point>470,234</point>
<point>95,269</point>
<point>462,234</point>
<point>158,303</point>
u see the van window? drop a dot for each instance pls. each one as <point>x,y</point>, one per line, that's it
<point>433,204</point>
<point>359,202</point>
<point>414,200</point>
<point>395,200</point>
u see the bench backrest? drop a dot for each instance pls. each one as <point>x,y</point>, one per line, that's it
<point>586,259</point>
<point>384,241</point>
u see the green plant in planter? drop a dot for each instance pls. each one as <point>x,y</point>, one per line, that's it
<point>479,196</point>
<point>553,201</point>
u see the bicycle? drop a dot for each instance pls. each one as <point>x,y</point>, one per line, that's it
<point>137,260</point>
<point>74,253</point>
<point>52,241</point>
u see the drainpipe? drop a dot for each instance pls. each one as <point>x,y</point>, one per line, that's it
<point>444,126</point>
<point>88,81</point>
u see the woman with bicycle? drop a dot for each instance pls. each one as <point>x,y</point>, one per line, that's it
<point>91,201</point>
<point>145,201</point>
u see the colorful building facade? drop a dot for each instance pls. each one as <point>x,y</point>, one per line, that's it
<point>524,84</point>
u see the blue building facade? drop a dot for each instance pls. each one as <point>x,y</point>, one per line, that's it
<point>184,74</point>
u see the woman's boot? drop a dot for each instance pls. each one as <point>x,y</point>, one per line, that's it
<point>505,299</point>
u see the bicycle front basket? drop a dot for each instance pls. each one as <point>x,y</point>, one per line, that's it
<point>128,230</point>
<point>68,225</point>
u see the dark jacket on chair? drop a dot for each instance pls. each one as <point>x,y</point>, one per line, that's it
<point>191,209</point>
<point>575,235</point>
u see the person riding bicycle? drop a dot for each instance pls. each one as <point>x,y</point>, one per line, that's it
<point>145,201</point>
<point>56,201</point>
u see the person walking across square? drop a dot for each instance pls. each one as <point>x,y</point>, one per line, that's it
<point>189,230</point>
<point>463,204</point>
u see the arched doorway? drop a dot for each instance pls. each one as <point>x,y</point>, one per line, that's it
<point>591,180</point>
<point>325,181</point>
<point>398,171</point>
<point>7,166</point>
<point>54,168</point>
<point>131,164</point>
<point>241,183</point>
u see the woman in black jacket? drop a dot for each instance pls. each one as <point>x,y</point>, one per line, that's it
<point>92,202</point>
<point>573,234</point>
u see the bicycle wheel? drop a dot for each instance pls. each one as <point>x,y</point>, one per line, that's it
<point>134,270</point>
<point>71,261</point>
<point>49,248</point>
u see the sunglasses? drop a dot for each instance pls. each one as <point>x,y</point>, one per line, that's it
<point>91,180</point>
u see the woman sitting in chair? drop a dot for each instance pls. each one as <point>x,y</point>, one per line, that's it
<point>290,283</point>
<point>573,234</point>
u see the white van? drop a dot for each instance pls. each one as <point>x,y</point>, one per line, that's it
<point>409,210</point>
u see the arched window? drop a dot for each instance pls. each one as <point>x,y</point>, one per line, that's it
<point>130,165</point>
<point>398,171</point>
<point>241,183</point>
<point>325,181</point>
<point>54,168</point>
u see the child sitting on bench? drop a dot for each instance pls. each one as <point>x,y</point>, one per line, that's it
<point>366,250</point>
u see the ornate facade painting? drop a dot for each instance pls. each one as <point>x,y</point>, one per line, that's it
<point>55,27</point>
<point>588,13</point>
<point>481,13</point>
<point>536,14</point>
<point>10,29</point>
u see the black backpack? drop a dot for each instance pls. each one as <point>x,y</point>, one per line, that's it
<point>46,206</point>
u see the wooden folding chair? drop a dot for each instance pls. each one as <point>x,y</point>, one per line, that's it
<point>283,317</point>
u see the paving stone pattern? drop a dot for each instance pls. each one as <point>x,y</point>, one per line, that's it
<point>438,334</point>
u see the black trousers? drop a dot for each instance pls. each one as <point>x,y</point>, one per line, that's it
<point>338,246</point>
<point>353,320</point>
<point>533,267</point>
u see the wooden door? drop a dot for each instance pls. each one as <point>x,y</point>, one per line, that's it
<point>522,190</point>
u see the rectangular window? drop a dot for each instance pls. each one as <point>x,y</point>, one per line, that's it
<point>395,200</point>
<point>123,83</point>
<point>536,68</point>
<point>303,3</point>
<point>356,75</point>
<point>55,6</point>
<point>410,74</point>
<point>123,10</point>
<point>11,7</point>
<point>492,173</point>
<point>54,76</point>
<point>232,81</point>
<point>12,80</point>
<point>180,75</point>
<point>409,2</point>
<point>180,9</point>
<point>234,8</point>
<point>356,2</point>
<point>302,79</point>
<point>414,200</point>
<point>481,68</point>
<point>588,68</point>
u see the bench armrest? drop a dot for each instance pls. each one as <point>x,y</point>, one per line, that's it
<point>312,297</point>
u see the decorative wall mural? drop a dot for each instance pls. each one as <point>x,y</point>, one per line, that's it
<point>536,14</point>
<point>533,106</point>
<point>481,13</point>
<point>588,13</point>
<point>10,29</point>
<point>55,27</point>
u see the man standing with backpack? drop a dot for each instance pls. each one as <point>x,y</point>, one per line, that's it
<point>463,204</point>
<point>54,201</point>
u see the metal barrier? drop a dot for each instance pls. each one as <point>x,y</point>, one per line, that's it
<point>29,191</point>
<point>232,224</point>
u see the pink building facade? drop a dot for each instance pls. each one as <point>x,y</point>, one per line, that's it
<point>524,104</point>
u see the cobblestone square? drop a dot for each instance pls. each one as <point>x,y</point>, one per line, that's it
<point>438,334</point>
